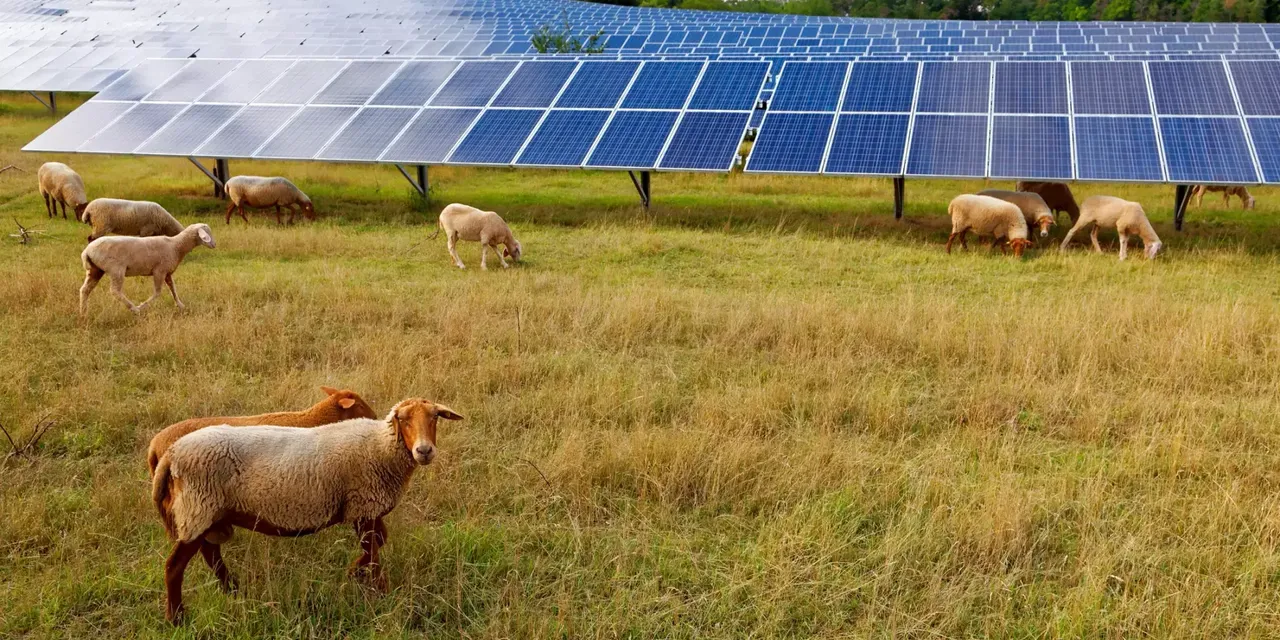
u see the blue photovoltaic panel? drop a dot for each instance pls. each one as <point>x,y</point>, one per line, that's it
<point>1266,139</point>
<point>1118,88</point>
<point>141,80</point>
<point>1117,149</point>
<point>809,86</point>
<point>130,130</point>
<point>496,136</point>
<point>78,125</point>
<point>1033,147</point>
<point>356,83</point>
<point>192,80</point>
<point>633,140</point>
<point>306,133</point>
<point>184,133</point>
<point>368,134</point>
<point>431,136</point>
<point>662,85</point>
<point>868,144</point>
<point>881,86</point>
<point>706,141</point>
<point>1206,150</point>
<point>954,87</point>
<point>729,86</point>
<point>246,132</point>
<point>302,81</point>
<point>597,85</point>
<point>953,146</point>
<point>535,84</point>
<point>1031,87</point>
<point>474,84</point>
<point>1258,85</point>
<point>249,79</point>
<point>1191,89</point>
<point>791,142</point>
<point>414,83</point>
<point>564,138</point>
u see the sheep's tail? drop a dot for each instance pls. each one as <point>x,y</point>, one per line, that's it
<point>160,495</point>
<point>89,263</point>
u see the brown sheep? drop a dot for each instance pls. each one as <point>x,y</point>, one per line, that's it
<point>1246,200</point>
<point>1056,194</point>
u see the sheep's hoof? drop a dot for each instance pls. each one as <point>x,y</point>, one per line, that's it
<point>462,266</point>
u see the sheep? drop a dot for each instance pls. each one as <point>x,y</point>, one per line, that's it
<point>121,256</point>
<point>284,481</point>
<point>1056,194</point>
<point>129,218</point>
<point>1124,216</point>
<point>988,216</point>
<point>1246,200</point>
<point>257,192</point>
<point>61,184</point>
<point>337,406</point>
<point>462,222</point>
<point>1032,205</point>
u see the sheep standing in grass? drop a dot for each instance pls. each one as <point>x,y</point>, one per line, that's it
<point>987,216</point>
<point>1056,194</point>
<point>1113,213</point>
<point>289,482</point>
<point>461,222</point>
<point>1246,200</point>
<point>1032,205</point>
<point>262,193</point>
<point>337,406</point>
<point>121,256</point>
<point>59,184</point>
<point>129,218</point>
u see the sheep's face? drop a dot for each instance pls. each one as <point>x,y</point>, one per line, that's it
<point>308,210</point>
<point>512,251</point>
<point>349,403</point>
<point>1152,249</point>
<point>415,421</point>
<point>1044,223</point>
<point>1018,245</point>
<point>80,211</point>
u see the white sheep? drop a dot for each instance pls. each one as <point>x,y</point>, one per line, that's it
<point>1033,207</point>
<point>121,256</point>
<point>987,216</point>
<point>257,192</point>
<point>61,184</point>
<point>1122,215</point>
<point>462,222</point>
<point>286,481</point>
<point>1246,200</point>
<point>129,218</point>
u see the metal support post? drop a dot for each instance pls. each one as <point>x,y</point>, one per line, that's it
<point>899,196</point>
<point>642,186</point>
<point>1182,196</point>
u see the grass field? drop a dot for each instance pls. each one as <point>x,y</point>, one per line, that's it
<point>763,408</point>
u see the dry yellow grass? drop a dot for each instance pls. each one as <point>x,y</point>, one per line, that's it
<point>766,409</point>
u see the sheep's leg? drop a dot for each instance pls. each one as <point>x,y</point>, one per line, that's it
<point>951,238</point>
<point>64,209</point>
<point>484,253</point>
<point>117,289</point>
<point>91,279</point>
<point>1071,232</point>
<point>1124,245</point>
<point>372,535</point>
<point>46,204</point>
<point>231,206</point>
<point>293,212</point>
<point>174,567</point>
<point>279,220</point>
<point>1094,237</point>
<point>964,242</point>
<point>501,260</point>
<point>213,557</point>
<point>157,281</point>
<point>453,250</point>
<point>168,279</point>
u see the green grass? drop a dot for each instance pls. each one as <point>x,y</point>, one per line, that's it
<point>763,408</point>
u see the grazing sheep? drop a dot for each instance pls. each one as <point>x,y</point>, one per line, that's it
<point>336,407</point>
<point>461,222</point>
<point>60,184</point>
<point>985,216</point>
<point>262,193</point>
<point>129,218</point>
<point>121,256</point>
<point>1123,216</point>
<point>1056,194</point>
<point>289,482</point>
<point>1246,200</point>
<point>1032,205</point>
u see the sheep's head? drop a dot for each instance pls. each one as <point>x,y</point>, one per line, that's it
<point>205,234</point>
<point>512,250</point>
<point>1044,221</point>
<point>80,211</point>
<point>349,404</point>
<point>415,423</point>
<point>1018,245</point>
<point>308,210</point>
<point>1152,249</point>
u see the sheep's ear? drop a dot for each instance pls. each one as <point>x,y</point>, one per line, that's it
<point>205,236</point>
<point>346,403</point>
<point>447,413</point>
<point>328,391</point>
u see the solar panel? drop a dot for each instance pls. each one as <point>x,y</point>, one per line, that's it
<point>535,84</point>
<point>598,85</point>
<point>1031,87</point>
<point>130,130</point>
<point>729,86</point>
<point>1191,88</point>
<point>302,81</point>
<point>368,134</point>
<point>431,135</point>
<point>881,86</point>
<point>564,138</point>
<point>304,136</point>
<point>662,85</point>
<point>809,86</point>
<point>1258,85</point>
<point>705,141</point>
<point>496,137</point>
<point>414,84</point>
<point>1118,88</point>
<point>473,84</point>
<point>78,125</point>
<point>960,87</point>
<point>1031,147</point>
<point>1265,133</point>
<point>633,140</point>
<point>246,132</point>
<point>1117,149</point>
<point>1206,150</point>
<point>948,146</point>
<point>193,80</point>
<point>356,83</point>
<point>143,79</point>
<point>184,133</point>
<point>868,144</point>
<point>246,82</point>
<point>792,142</point>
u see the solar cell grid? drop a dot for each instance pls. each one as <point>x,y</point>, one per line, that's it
<point>1191,88</point>
<point>705,141</point>
<point>473,84</point>
<point>183,134</point>
<point>1265,133</point>
<point>130,130</point>
<point>1117,149</point>
<point>1037,147</point>
<point>535,84</point>
<point>301,82</point>
<point>948,146</point>
<point>246,82</point>
<point>77,126</point>
<point>809,86</point>
<point>143,79</point>
<point>1206,150</point>
<point>791,142</point>
<point>598,85</point>
<point>957,87</point>
<point>1109,88</point>
<point>414,84</point>
<point>194,79</point>
<point>246,132</point>
<point>1258,85</point>
<point>662,85</point>
<point>1031,87</point>
<point>564,138</point>
<point>306,133</point>
<point>356,83</point>
<point>368,134</point>
<point>729,86</point>
<point>431,135</point>
<point>496,137</point>
<point>868,144</point>
<point>633,139</point>
<point>880,86</point>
